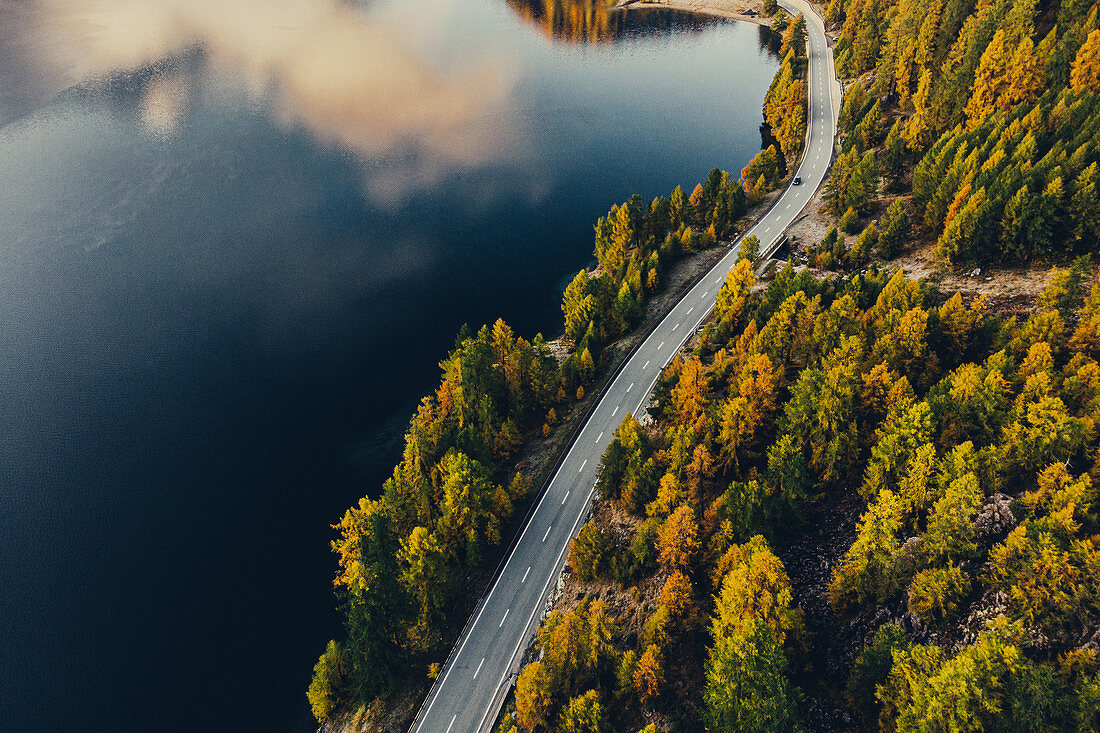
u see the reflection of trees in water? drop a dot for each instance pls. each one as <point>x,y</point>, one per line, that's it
<point>571,20</point>
<point>769,40</point>
<point>594,21</point>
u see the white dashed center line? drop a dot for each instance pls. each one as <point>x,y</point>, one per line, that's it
<point>764,233</point>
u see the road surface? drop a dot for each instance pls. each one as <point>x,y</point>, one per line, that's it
<point>473,684</point>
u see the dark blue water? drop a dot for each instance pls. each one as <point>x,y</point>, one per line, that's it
<point>235,239</point>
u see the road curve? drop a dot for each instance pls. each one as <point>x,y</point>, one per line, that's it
<point>472,685</point>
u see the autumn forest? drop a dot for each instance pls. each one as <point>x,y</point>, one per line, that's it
<point>857,500</point>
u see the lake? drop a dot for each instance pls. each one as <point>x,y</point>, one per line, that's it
<point>236,237</point>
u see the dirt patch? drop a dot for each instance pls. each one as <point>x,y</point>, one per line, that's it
<point>1008,290</point>
<point>810,227</point>
<point>629,606</point>
<point>393,716</point>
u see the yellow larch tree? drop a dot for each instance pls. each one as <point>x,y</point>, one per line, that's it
<point>1005,77</point>
<point>1084,75</point>
<point>678,539</point>
<point>648,675</point>
<point>690,394</point>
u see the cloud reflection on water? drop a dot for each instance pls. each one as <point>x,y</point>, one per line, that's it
<point>351,80</point>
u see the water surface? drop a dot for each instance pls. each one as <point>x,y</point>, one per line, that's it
<point>235,239</point>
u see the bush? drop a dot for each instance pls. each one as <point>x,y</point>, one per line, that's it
<point>895,228</point>
<point>327,689</point>
<point>749,250</point>
<point>871,668</point>
<point>935,594</point>
<point>850,221</point>
<point>588,552</point>
<point>867,242</point>
<point>640,558</point>
<point>764,164</point>
<point>583,714</point>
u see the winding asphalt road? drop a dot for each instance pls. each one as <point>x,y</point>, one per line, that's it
<point>473,684</point>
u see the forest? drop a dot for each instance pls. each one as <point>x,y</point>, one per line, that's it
<point>982,121</point>
<point>973,574</point>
